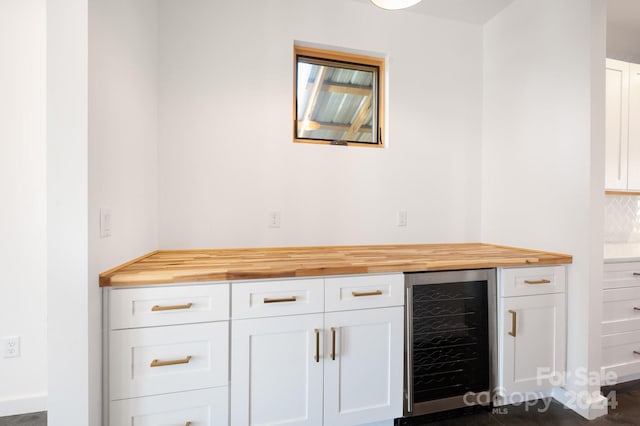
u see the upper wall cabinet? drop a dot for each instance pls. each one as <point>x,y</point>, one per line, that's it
<point>622,168</point>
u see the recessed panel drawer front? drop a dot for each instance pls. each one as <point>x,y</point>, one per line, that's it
<point>366,291</point>
<point>276,298</point>
<point>160,360</point>
<point>618,275</point>
<point>620,350</point>
<point>205,407</point>
<point>532,281</point>
<point>621,310</point>
<point>152,306</point>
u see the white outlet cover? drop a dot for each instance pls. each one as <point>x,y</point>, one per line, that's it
<point>11,346</point>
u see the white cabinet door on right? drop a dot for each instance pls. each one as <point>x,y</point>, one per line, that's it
<point>276,378</point>
<point>633,167</point>
<point>532,334</point>
<point>617,119</point>
<point>363,366</point>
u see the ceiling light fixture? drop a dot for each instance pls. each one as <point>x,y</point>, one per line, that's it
<point>395,4</point>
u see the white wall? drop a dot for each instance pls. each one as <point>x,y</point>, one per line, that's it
<point>23,290</point>
<point>226,151</point>
<point>123,135</point>
<point>543,150</point>
<point>70,295</point>
<point>123,129</point>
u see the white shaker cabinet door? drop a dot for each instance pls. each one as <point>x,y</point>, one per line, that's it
<point>633,180</point>
<point>363,367</point>
<point>532,335</point>
<point>276,378</point>
<point>617,124</point>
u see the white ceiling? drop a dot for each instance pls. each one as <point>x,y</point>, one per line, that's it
<point>472,11</point>
<point>623,20</point>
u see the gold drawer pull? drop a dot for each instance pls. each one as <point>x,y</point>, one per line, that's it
<point>187,424</point>
<point>514,318</point>
<point>156,308</point>
<point>636,352</point>
<point>284,299</point>
<point>156,363</point>
<point>636,308</point>
<point>367,293</point>
<point>636,273</point>
<point>537,282</point>
<point>316,358</point>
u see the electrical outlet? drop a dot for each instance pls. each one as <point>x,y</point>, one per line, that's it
<point>402,218</point>
<point>11,346</point>
<point>274,219</point>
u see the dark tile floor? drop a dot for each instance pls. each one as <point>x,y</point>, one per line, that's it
<point>31,419</point>
<point>624,410</point>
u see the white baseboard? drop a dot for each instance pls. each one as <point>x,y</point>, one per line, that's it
<point>587,405</point>
<point>23,404</point>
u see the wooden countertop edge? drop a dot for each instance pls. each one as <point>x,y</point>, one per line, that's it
<point>110,279</point>
<point>105,277</point>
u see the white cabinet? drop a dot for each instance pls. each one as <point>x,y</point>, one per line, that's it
<point>275,375</point>
<point>622,147</point>
<point>621,322</point>
<point>167,355</point>
<point>531,330</point>
<point>199,407</point>
<point>310,367</point>
<point>363,366</point>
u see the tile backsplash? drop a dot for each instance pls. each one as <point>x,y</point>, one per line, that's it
<point>622,219</point>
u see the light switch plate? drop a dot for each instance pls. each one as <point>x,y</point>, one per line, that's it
<point>105,223</point>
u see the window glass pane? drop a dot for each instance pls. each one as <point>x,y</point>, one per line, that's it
<point>336,101</point>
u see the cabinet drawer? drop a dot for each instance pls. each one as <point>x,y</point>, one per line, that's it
<point>531,281</point>
<point>186,357</point>
<point>365,291</point>
<point>276,298</point>
<point>620,310</point>
<point>206,407</point>
<point>618,352</point>
<point>151,306</point>
<point>617,275</point>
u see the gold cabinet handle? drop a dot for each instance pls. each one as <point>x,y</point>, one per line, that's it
<point>187,424</point>
<point>514,318</point>
<point>366,293</point>
<point>317,355</point>
<point>156,363</point>
<point>333,344</point>
<point>156,308</point>
<point>537,281</point>
<point>283,299</point>
<point>636,308</point>
<point>636,273</point>
<point>636,352</point>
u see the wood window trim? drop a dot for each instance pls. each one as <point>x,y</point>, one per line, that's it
<point>354,58</point>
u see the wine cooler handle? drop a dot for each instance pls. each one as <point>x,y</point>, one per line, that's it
<point>409,343</point>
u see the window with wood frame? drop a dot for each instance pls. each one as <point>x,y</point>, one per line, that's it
<point>338,98</point>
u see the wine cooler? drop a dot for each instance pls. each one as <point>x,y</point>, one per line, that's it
<point>450,340</point>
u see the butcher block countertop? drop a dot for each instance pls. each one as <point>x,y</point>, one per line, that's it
<point>176,266</point>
